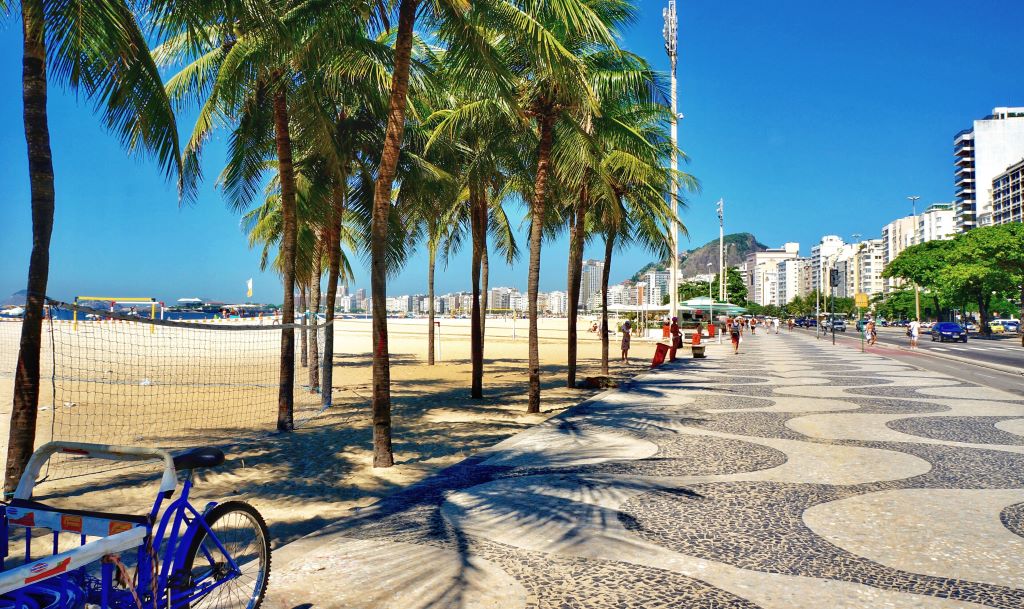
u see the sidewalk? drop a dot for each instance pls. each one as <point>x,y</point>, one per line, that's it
<point>789,476</point>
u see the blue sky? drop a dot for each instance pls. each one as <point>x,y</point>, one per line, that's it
<point>807,117</point>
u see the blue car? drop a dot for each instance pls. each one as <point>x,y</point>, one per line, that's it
<point>948,330</point>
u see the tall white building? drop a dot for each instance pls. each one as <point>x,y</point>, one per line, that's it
<point>870,262</point>
<point>657,286</point>
<point>761,272</point>
<point>590,284</point>
<point>822,257</point>
<point>935,223</point>
<point>897,236</point>
<point>1008,195</point>
<point>983,152</point>
<point>788,273</point>
<point>557,303</point>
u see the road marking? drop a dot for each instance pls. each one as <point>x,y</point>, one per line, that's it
<point>940,348</point>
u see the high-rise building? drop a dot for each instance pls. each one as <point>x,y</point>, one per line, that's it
<point>869,261</point>
<point>897,236</point>
<point>935,223</point>
<point>760,270</point>
<point>657,287</point>
<point>556,303</point>
<point>1008,195</point>
<point>822,258</point>
<point>982,153</point>
<point>788,273</point>
<point>590,284</point>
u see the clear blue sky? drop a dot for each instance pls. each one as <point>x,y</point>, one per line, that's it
<point>808,117</point>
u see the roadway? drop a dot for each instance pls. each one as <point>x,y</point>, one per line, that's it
<point>971,360</point>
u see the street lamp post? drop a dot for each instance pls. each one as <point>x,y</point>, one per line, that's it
<point>670,32</point>
<point>720,207</point>
<point>711,302</point>
<point>917,289</point>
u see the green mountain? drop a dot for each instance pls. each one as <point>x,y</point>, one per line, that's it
<point>695,261</point>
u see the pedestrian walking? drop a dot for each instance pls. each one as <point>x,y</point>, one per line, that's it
<point>626,329</point>
<point>872,332</point>
<point>914,332</point>
<point>677,339</point>
<point>735,330</point>
<point>775,324</point>
<point>753,326</point>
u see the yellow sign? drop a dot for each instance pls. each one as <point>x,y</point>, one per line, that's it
<point>861,300</point>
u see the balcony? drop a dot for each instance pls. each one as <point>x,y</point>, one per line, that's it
<point>964,181</point>
<point>965,161</point>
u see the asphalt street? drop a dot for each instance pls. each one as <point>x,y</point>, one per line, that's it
<point>973,355</point>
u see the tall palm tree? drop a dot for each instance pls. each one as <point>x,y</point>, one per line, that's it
<point>102,52</point>
<point>630,103</point>
<point>241,63</point>
<point>556,89</point>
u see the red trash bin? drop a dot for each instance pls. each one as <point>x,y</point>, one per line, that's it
<point>660,351</point>
<point>711,330</point>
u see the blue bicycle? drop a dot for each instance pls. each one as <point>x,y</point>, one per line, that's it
<point>217,558</point>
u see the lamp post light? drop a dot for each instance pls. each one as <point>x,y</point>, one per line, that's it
<point>720,208</point>
<point>917,289</point>
<point>711,301</point>
<point>671,34</point>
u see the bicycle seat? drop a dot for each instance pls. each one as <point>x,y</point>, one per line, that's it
<point>201,456</point>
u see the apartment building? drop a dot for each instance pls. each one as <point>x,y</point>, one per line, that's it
<point>788,273</point>
<point>590,283</point>
<point>897,236</point>
<point>760,271</point>
<point>870,263</point>
<point>935,223</point>
<point>1008,195</point>
<point>982,153</point>
<point>822,258</point>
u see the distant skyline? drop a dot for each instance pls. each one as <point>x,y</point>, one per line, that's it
<point>808,119</point>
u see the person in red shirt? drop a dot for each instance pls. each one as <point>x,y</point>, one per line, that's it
<point>677,339</point>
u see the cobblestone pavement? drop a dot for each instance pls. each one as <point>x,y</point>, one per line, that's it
<point>793,475</point>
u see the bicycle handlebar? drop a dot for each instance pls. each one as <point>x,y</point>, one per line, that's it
<point>97,451</point>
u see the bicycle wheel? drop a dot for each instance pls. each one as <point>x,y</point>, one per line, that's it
<point>243,533</point>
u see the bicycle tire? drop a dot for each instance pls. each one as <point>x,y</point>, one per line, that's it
<point>220,513</point>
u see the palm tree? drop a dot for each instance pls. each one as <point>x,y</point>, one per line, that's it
<point>556,89</point>
<point>102,53</point>
<point>241,61</point>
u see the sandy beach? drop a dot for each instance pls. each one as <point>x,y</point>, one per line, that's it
<point>120,382</point>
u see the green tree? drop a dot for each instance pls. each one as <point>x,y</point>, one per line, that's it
<point>923,265</point>
<point>1002,247</point>
<point>692,289</point>
<point>99,49</point>
<point>735,287</point>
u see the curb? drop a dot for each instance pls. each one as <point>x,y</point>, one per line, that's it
<point>999,367</point>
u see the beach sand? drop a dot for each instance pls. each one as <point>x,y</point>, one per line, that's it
<point>121,383</point>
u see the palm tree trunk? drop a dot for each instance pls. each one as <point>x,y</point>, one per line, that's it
<point>304,332</point>
<point>485,294</point>
<point>431,264</point>
<point>536,236</point>
<point>314,297</point>
<point>609,246</point>
<point>478,225</point>
<point>286,388</point>
<point>381,401</point>
<point>40,173</point>
<point>333,272</point>
<point>575,275</point>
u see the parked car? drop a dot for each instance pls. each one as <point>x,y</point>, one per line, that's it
<point>996,326</point>
<point>862,323</point>
<point>1004,326</point>
<point>1012,325</point>
<point>948,330</point>
<point>837,324</point>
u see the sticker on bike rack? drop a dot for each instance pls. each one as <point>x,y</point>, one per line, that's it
<point>72,523</point>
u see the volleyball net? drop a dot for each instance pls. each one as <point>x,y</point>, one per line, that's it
<point>111,377</point>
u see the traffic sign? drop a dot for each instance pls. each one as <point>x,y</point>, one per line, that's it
<point>861,300</point>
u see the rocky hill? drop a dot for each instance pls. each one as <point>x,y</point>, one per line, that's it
<point>694,262</point>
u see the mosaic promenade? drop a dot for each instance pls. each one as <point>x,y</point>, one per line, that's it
<point>794,475</point>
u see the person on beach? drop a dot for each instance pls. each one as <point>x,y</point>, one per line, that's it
<point>677,339</point>
<point>735,329</point>
<point>626,329</point>
<point>914,332</point>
